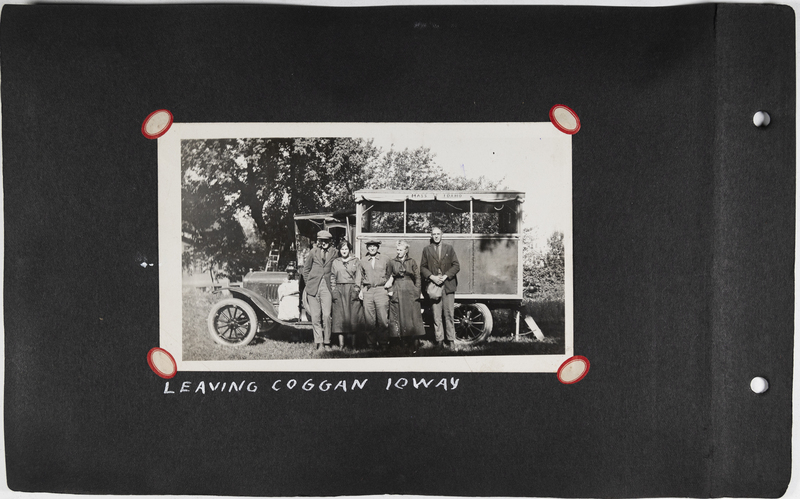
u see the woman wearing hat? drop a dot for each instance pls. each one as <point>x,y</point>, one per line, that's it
<point>347,312</point>
<point>405,316</point>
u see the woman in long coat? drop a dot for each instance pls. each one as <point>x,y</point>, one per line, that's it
<point>405,316</point>
<point>347,312</point>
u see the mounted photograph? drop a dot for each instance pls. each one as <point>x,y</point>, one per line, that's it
<point>366,246</point>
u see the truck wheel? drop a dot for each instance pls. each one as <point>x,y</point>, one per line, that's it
<point>473,322</point>
<point>232,322</point>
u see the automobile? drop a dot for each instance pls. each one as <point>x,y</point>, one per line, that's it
<point>482,226</point>
<point>254,306</point>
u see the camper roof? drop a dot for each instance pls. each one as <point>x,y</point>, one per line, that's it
<point>393,196</point>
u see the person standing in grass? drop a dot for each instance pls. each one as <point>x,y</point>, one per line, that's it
<point>439,265</point>
<point>347,312</point>
<point>317,276</point>
<point>376,271</point>
<point>405,315</point>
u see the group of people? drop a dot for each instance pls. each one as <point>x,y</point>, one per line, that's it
<point>379,295</point>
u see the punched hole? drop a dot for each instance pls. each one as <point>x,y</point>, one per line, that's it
<point>761,118</point>
<point>759,385</point>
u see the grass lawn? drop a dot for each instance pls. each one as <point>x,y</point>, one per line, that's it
<point>289,343</point>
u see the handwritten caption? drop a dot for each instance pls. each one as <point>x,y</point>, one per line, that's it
<point>310,384</point>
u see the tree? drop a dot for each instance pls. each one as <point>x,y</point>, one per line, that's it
<point>267,181</point>
<point>554,260</point>
<point>417,170</point>
<point>235,189</point>
<point>543,273</point>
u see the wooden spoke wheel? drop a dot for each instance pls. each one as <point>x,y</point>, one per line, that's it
<point>473,322</point>
<point>232,322</point>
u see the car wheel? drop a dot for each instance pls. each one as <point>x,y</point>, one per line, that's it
<point>232,322</point>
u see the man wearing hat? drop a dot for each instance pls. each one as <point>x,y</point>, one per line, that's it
<point>439,265</point>
<point>376,270</point>
<point>317,276</point>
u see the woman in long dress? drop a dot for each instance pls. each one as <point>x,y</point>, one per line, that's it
<point>347,312</point>
<point>405,316</point>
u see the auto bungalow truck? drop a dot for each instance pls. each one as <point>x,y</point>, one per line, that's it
<point>482,226</point>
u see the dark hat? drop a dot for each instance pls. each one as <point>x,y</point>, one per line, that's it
<point>370,242</point>
<point>324,234</point>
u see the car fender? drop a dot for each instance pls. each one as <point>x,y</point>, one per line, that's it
<point>259,301</point>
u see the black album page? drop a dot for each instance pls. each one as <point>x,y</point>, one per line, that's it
<point>457,250</point>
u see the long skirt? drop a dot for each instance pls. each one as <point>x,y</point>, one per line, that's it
<point>347,311</point>
<point>405,316</point>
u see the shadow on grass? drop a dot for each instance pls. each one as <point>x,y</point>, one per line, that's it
<point>285,343</point>
<point>494,346</point>
<point>285,334</point>
<point>290,343</point>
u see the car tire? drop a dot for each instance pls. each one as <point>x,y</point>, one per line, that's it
<point>232,322</point>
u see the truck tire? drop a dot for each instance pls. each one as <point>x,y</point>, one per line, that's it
<point>473,323</point>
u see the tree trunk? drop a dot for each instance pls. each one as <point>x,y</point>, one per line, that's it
<point>249,196</point>
<point>290,232</point>
<point>211,273</point>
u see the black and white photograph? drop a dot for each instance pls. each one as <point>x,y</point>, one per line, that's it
<point>373,246</point>
<point>484,250</point>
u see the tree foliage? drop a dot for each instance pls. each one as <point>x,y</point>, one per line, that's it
<point>543,272</point>
<point>417,170</point>
<point>230,185</point>
<point>266,182</point>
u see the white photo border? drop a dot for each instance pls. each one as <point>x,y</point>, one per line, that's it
<point>170,244</point>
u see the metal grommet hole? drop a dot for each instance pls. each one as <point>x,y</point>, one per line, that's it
<point>759,385</point>
<point>761,118</point>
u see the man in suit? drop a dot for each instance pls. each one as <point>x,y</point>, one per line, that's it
<point>317,276</point>
<point>439,265</point>
<point>376,269</point>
